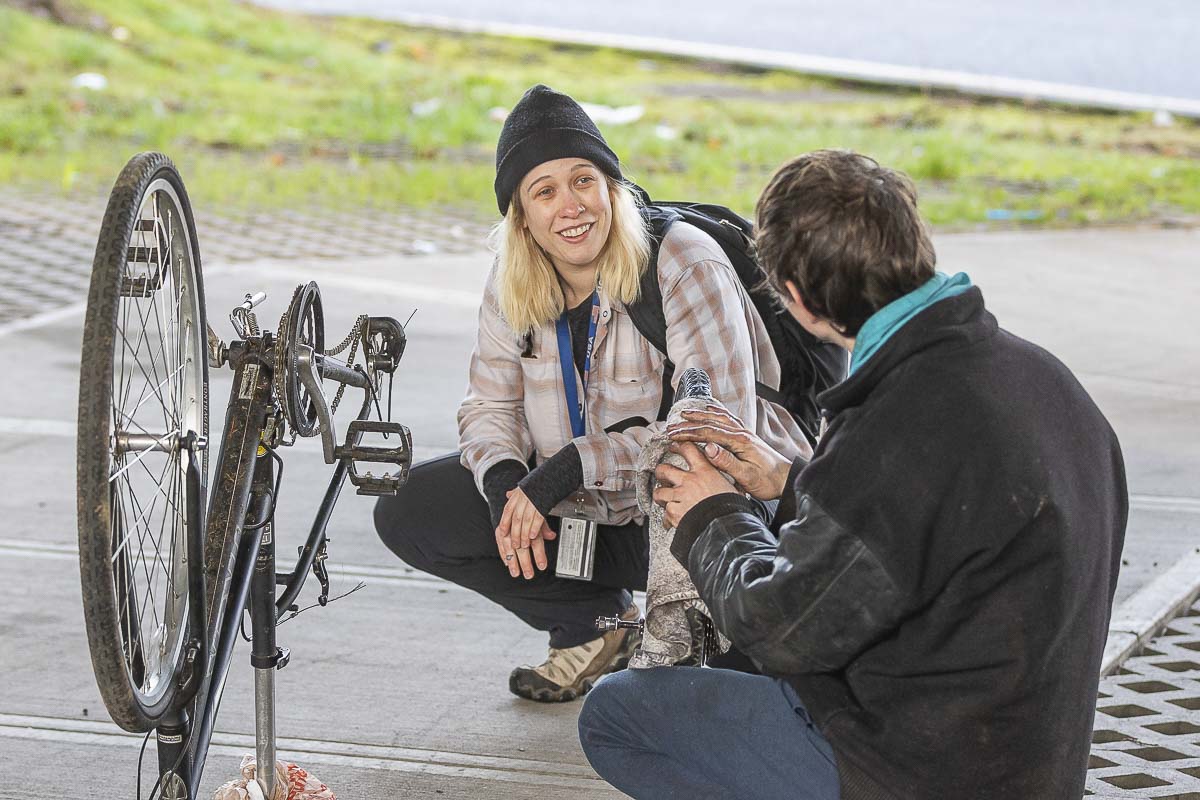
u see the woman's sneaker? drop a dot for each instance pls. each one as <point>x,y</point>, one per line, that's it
<point>570,672</point>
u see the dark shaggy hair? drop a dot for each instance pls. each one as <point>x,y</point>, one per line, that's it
<point>846,231</point>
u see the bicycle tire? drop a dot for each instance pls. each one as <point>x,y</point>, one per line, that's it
<point>136,653</point>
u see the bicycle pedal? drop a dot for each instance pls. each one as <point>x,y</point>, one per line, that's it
<point>616,623</point>
<point>370,485</point>
<point>399,455</point>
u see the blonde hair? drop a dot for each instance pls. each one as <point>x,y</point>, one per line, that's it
<point>527,286</point>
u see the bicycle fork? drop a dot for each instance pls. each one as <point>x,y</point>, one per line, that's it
<point>265,656</point>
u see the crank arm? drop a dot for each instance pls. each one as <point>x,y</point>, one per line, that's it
<point>306,365</point>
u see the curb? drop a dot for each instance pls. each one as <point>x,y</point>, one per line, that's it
<point>1150,610</point>
<point>842,68</point>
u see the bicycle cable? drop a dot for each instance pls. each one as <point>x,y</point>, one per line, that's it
<point>361,584</point>
<point>141,755</point>
<point>270,517</point>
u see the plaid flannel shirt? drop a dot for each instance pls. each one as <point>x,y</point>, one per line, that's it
<point>515,404</point>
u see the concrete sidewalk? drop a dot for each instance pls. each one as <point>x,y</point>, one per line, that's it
<point>400,688</point>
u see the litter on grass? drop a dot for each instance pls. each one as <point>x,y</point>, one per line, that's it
<point>607,115</point>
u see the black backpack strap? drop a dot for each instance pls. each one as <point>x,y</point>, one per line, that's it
<point>646,312</point>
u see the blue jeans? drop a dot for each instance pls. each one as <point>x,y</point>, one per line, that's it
<point>686,732</point>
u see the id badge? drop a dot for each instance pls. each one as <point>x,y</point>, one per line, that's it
<point>576,548</point>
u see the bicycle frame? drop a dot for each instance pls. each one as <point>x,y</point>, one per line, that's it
<point>241,506</point>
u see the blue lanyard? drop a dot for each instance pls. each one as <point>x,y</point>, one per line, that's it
<point>566,360</point>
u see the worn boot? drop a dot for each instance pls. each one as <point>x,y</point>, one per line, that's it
<point>570,672</point>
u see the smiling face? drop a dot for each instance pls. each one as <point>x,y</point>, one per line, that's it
<point>568,211</point>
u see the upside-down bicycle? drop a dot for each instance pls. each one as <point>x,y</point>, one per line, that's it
<point>166,575</point>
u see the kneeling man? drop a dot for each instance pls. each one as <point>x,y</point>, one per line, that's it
<point>929,606</point>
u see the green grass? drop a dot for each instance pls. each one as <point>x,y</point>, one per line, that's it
<point>266,109</point>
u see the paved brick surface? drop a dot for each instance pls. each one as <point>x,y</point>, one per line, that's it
<point>1147,733</point>
<point>47,243</point>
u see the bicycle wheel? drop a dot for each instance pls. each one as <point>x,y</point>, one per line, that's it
<point>143,386</point>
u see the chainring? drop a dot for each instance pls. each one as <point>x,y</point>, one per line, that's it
<point>302,325</point>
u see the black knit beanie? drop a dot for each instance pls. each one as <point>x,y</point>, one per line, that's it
<point>543,126</point>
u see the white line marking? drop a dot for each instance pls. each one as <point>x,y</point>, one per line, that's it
<point>37,427</point>
<point>44,318</point>
<point>412,292</point>
<point>64,429</point>
<point>68,311</point>
<point>312,751</point>
<point>373,575</point>
<point>424,293</point>
<point>54,552</point>
<point>852,69</point>
<point>1154,502</point>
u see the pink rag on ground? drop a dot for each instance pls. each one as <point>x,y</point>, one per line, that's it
<point>291,783</point>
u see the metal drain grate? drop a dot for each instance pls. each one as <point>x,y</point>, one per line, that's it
<point>1146,741</point>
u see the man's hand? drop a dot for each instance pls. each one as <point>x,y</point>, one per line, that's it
<point>754,465</point>
<point>679,490</point>
<point>521,536</point>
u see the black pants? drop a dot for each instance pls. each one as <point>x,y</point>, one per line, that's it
<point>439,523</point>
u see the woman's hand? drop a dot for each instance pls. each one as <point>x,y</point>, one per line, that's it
<point>521,536</point>
<point>753,464</point>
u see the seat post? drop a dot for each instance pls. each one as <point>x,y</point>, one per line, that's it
<point>265,656</point>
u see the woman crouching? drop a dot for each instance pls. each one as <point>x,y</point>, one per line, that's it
<point>563,392</point>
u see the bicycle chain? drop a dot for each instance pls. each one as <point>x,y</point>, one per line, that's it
<point>352,339</point>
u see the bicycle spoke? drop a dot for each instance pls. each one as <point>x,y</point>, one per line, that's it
<point>173,469</point>
<point>141,550</point>
<point>164,333</point>
<point>121,573</point>
<point>143,329</point>
<point>138,509</point>
<point>151,313</point>
<point>150,643</point>
<point>165,495</point>
<point>125,309</point>
<point>120,424</point>
<point>158,556</point>
<point>150,382</point>
<point>155,391</point>
<point>142,526</point>
<point>132,625</point>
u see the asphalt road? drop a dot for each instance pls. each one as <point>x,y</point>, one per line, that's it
<point>1145,48</point>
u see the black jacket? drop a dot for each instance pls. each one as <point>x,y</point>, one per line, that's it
<point>940,593</point>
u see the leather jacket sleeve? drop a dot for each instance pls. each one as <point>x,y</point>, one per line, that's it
<point>807,602</point>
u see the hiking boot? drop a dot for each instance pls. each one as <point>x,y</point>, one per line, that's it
<point>570,672</point>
